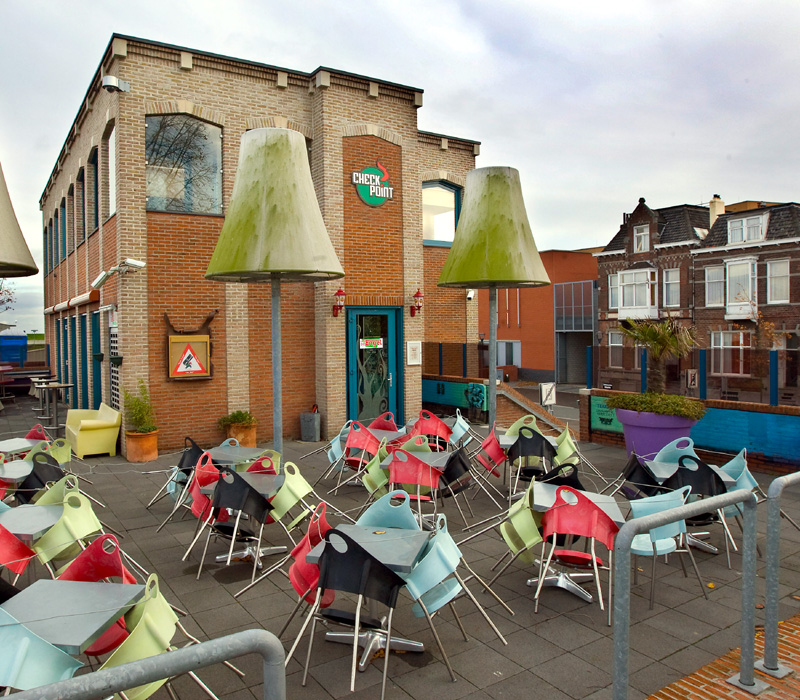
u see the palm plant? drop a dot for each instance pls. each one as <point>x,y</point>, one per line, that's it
<point>661,339</point>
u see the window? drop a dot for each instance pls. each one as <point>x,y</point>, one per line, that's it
<point>750,228</point>
<point>715,286</point>
<point>672,287</point>
<point>440,207</point>
<point>741,298</point>
<point>62,222</point>
<point>613,291</point>
<point>614,349</point>
<point>638,294</point>
<point>80,212</point>
<point>641,238</point>
<point>778,282</point>
<point>91,193</point>
<point>730,352</point>
<point>111,171</point>
<point>509,352</point>
<point>70,219</point>
<point>184,165</point>
<point>46,250</point>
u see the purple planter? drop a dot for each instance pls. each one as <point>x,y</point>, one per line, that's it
<point>647,433</point>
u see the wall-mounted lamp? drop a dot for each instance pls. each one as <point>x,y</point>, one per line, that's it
<point>338,301</point>
<point>418,297</point>
<point>126,265</point>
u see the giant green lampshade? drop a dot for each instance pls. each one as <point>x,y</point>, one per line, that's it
<point>274,231</point>
<point>493,247</point>
<point>15,257</point>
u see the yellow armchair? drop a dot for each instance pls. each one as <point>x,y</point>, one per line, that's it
<point>93,432</point>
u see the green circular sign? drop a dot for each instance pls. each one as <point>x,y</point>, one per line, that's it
<point>372,185</point>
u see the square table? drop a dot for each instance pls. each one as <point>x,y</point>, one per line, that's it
<point>29,522</point>
<point>437,460</point>
<point>265,484</point>
<point>15,472</point>
<point>72,615</point>
<point>14,446</point>
<point>389,435</point>
<point>231,456</point>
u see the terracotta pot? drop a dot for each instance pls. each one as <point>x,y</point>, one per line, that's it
<point>141,447</point>
<point>245,434</point>
<point>647,433</point>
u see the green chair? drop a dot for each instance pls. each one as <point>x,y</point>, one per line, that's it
<point>65,539</point>
<point>375,477</point>
<point>57,493</point>
<point>61,450</point>
<point>41,446</point>
<point>418,443</point>
<point>528,421</point>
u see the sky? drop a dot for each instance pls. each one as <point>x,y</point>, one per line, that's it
<point>595,103</point>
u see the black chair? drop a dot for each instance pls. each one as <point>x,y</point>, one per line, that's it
<point>179,476</point>
<point>637,481</point>
<point>46,470</point>
<point>532,453</point>
<point>566,475</point>
<point>456,477</point>
<point>232,492</point>
<point>7,590</point>
<point>347,567</point>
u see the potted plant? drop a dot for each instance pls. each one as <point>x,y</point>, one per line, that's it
<point>655,418</point>
<point>240,425</point>
<point>141,434</point>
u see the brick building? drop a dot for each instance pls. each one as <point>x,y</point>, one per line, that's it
<point>146,173</point>
<point>731,271</point>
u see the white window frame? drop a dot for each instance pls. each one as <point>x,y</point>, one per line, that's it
<point>613,291</point>
<point>775,273</point>
<point>721,282</point>
<point>643,286</point>
<point>747,228</point>
<point>668,283</point>
<point>641,238</point>
<point>729,351</point>
<point>741,303</point>
<point>615,344</point>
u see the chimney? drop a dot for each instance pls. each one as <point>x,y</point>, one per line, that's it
<point>715,207</point>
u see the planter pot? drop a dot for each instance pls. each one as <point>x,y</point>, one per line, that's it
<point>141,447</point>
<point>647,433</point>
<point>245,434</point>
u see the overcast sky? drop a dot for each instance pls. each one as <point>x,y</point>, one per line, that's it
<point>596,103</point>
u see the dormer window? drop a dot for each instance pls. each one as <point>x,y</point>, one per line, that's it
<point>750,228</point>
<point>641,238</point>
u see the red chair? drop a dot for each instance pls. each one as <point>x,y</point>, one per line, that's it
<point>577,516</point>
<point>384,422</point>
<point>14,554</point>
<point>434,428</point>
<point>360,447</point>
<point>419,479</point>
<point>37,433</point>
<point>490,457</point>
<point>100,561</point>
<point>263,465</point>
<point>205,473</point>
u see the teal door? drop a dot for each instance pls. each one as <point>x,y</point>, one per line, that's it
<point>374,354</point>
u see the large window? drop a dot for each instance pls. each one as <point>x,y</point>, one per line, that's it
<point>730,352</point>
<point>184,165</point>
<point>778,282</point>
<point>715,286</point>
<point>615,349</point>
<point>672,287</point>
<point>91,193</point>
<point>111,171</point>
<point>638,294</point>
<point>741,301</point>
<point>641,238</point>
<point>613,291</point>
<point>750,228</point>
<point>80,211</point>
<point>440,205</point>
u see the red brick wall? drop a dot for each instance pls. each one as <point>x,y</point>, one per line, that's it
<point>444,312</point>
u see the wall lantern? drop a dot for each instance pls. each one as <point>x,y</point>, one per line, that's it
<point>338,301</point>
<point>418,297</point>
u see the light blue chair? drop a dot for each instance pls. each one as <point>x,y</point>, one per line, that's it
<point>676,449</point>
<point>462,433</point>
<point>662,540</point>
<point>385,513</point>
<point>229,442</point>
<point>29,661</point>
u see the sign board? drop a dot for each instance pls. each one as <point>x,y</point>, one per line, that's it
<point>189,356</point>
<point>372,185</point>
<point>370,343</point>
<point>607,386</point>
<point>547,393</point>
<point>603,417</point>
<point>691,379</point>
<point>414,352</point>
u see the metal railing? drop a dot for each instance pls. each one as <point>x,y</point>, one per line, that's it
<point>769,664</point>
<point>622,583</point>
<point>112,680</point>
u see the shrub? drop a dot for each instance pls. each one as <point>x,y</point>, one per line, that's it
<point>665,404</point>
<point>139,414</point>
<point>237,418</point>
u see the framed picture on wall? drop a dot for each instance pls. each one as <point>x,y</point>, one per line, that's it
<point>414,352</point>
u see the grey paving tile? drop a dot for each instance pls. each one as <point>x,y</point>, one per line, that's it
<point>572,675</point>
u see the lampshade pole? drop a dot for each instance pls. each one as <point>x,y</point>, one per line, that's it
<point>492,356</point>
<point>277,381</point>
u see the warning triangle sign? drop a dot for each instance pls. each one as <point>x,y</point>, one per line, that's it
<point>189,363</point>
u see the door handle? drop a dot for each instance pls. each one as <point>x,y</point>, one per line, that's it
<point>390,379</point>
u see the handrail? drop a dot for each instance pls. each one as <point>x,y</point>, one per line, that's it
<point>622,582</point>
<point>112,680</point>
<point>769,664</point>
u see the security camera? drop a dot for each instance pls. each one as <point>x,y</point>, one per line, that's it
<point>100,280</point>
<point>470,294</point>
<point>111,83</point>
<point>135,264</point>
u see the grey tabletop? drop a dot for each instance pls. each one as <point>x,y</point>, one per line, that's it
<point>265,484</point>
<point>389,435</point>
<point>72,615</point>
<point>15,445</point>
<point>507,441</point>
<point>30,522</point>
<point>16,471</point>
<point>398,549</point>
<point>235,455</point>
<point>544,496</point>
<point>432,459</point>
<point>664,470</point>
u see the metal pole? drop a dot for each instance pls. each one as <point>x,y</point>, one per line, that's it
<point>277,381</point>
<point>492,356</point>
<point>173,663</point>
<point>773,377</point>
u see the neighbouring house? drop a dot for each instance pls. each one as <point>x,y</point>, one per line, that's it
<point>731,271</point>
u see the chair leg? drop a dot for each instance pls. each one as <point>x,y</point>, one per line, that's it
<point>203,556</point>
<point>297,607</point>
<point>653,583</point>
<point>438,640</point>
<point>264,575</point>
<point>486,587</point>
<point>194,640</point>
<point>505,568</point>
<point>386,655</point>
<point>357,629</point>
<point>480,609</point>
<point>310,615</point>
<point>202,685</point>
<point>697,571</point>
<point>308,651</point>
<point>161,493</point>
<point>458,621</point>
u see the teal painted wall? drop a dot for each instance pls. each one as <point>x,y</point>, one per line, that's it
<point>452,393</point>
